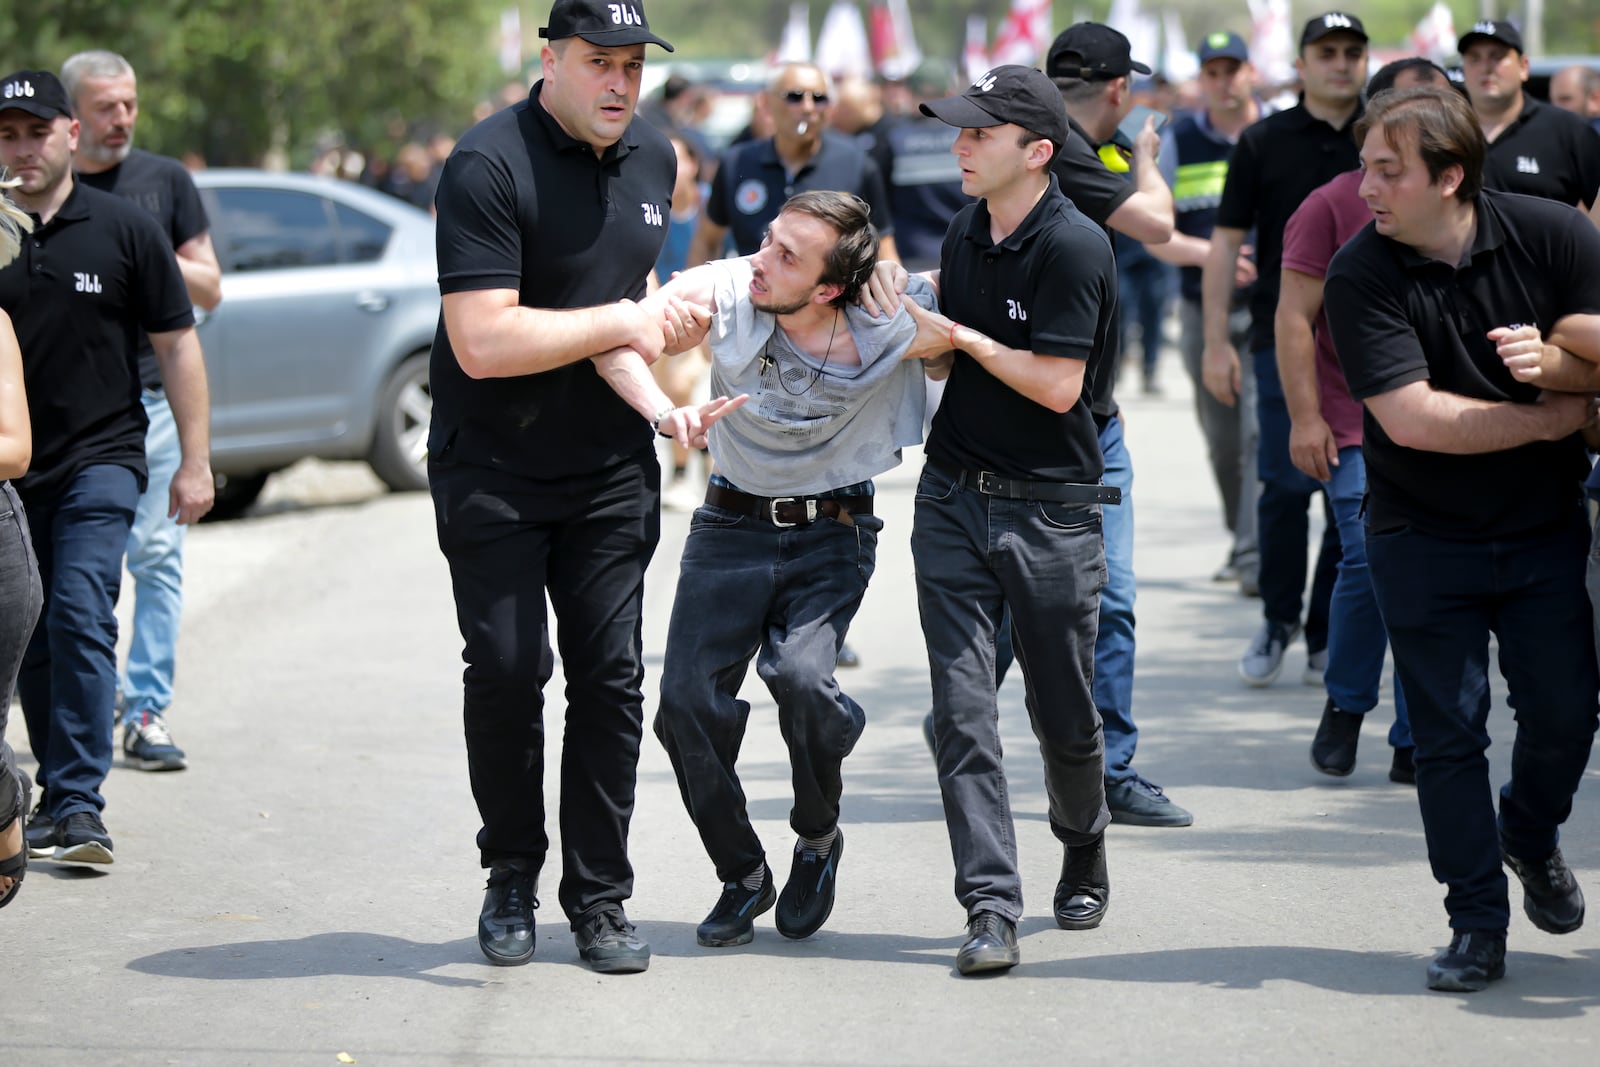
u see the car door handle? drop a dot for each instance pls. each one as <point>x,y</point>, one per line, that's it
<point>373,302</point>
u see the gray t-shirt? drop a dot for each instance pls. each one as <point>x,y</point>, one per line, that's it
<point>810,426</point>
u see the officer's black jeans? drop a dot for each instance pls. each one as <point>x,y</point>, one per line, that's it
<point>1441,599</point>
<point>585,541</point>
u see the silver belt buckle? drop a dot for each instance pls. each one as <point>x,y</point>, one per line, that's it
<point>988,482</point>
<point>772,511</point>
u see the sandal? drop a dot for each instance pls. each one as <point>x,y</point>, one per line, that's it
<point>15,867</point>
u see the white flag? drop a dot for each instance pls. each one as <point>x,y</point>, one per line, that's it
<point>842,48</point>
<point>1271,42</point>
<point>1435,35</point>
<point>1024,35</point>
<point>975,56</point>
<point>1178,60</point>
<point>511,41</point>
<point>795,45</point>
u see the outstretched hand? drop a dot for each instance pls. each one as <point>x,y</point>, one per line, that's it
<point>688,424</point>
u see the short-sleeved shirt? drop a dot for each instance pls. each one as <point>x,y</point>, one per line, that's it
<point>1330,216</point>
<point>163,187</point>
<point>1049,288</point>
<point>1545,152</point>
<point>1276,164</point>
<point>522,205</point>
<point>752,185</point>
<point>1400,318</point>
<point>85,289</point>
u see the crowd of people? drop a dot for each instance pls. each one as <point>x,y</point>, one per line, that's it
<point>1386,300</point>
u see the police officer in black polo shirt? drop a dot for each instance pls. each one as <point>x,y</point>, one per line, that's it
<point>1008,506</point>
<point>1443,314</point>
<point>1534,148</point>
<point>1277,163</point>
<point>96,271</point>
<point>543,480</point>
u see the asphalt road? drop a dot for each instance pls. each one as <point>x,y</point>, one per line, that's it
<point>309,887</point>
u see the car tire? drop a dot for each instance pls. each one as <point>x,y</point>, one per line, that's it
<point>405,411</point>
<point>234,495</point>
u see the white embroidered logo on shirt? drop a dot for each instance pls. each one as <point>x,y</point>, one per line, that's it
<point>652,213</point>
<point>85,283</point>
<point>1016,311</point>
<point>1527,165</point>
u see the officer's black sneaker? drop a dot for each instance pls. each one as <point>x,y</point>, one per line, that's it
<point>732,921</point>
<point>1333,750</point>
<point>1550,894</point>
<point>608,942</point>
<point>40,831</point>
<point>1474,959</point>
<point>505,928</point>
<point>991,944</point>
<point>1084,892</point>
<point>81,838</point>
<point>807,898</point>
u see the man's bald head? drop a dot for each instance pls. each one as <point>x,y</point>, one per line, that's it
<point>1577,89</point>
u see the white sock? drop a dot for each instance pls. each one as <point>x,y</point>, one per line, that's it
<point>820,845</point>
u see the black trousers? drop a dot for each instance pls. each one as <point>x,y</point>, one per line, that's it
<point>585,542</point>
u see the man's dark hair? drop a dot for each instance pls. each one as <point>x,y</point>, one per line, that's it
<point>849,263</point>
<point>1082,90</point>
<point>1389,73</point>
<point>1442,125</point>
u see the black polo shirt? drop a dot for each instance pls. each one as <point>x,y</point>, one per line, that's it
<point>163,187</point>
<point>1545,152</point>
<point>1399,318</point>
<point>752,184</point>
<point>1276,164</point>
<point>524,206</point>
<point>1048,288</point>
<point>85,289</point>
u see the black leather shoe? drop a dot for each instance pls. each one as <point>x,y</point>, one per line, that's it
<point>807,898</point>
<point>733,920</point>
<point>1333,750</point>
<point>505,928</point>
<point>1403,768</point>
<point>1474,959</point>
<point>991,944</point>
<point>608,942</point>
<point>1084,892</point>
<point>1550,894</point>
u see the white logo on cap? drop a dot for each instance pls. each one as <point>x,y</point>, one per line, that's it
<point>1334,19</point>
<point>625,15</point>
<point>1488,28</point>
<point>985,83</point>
<point>16,89</point>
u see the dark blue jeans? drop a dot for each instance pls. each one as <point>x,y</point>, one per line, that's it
<point>68,681</point>
<point>20,597</point>
<point>1441,600</point>
<point>975,555</point>
<point>1281,521</point>
<point>585,541</point>
<point>785,598</point>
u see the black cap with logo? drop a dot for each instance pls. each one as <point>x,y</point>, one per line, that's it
<point>607,23</point>
<point>38,92</point>
<point>1330,23</point>
<point>1009,93</point>
<point>1505,33</point>
<point>1091,51</point>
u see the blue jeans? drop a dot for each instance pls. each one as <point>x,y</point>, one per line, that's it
<point>68,680</point>
<point>785,597</point>
<point>155,560</point>
<point>1281,521</point>
<point>1356,637</point>
<point>20,597</point>
<point>975,555</point>
<point>1441,600</point>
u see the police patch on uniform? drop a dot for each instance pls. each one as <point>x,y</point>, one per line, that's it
<point>751,196</point>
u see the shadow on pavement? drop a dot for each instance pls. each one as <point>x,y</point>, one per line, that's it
<point>362,955</point>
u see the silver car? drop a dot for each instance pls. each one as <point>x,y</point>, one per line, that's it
<point>320,346</point>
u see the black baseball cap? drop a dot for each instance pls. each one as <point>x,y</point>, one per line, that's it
<point>1330,23</point>
<point>1090,51</point>
<point>1491,30</point>
<point>1223,46</point>
<point>38,92</point>
<point>606,23</point>
<point>1009,93</point>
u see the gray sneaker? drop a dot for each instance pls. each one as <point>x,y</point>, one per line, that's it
<point>1262,662</point>
<point>1316,666</point>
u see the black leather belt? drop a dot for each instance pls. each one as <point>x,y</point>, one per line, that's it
<point>786,511</point>
<point>1025,489</point>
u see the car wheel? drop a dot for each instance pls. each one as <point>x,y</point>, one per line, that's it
<point>235,494</point>
<point>405,411</point>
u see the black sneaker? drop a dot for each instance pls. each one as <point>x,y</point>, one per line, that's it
<point>147,745</point>
<point>732,921</point>
<point>1137,802</point>
<point>991,944</point>
<point>1474,959</point>
<point>608,942</point>
<point>807,898</point>
<point>1550,894</point>
<point>1084,892</point>
<point>81,838</point>
<point>1403,768</point>
<point>40,831</point>
<point>505,927</point>
<point>1333,750</point>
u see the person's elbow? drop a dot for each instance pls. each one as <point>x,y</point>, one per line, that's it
<point>1062,397</point>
